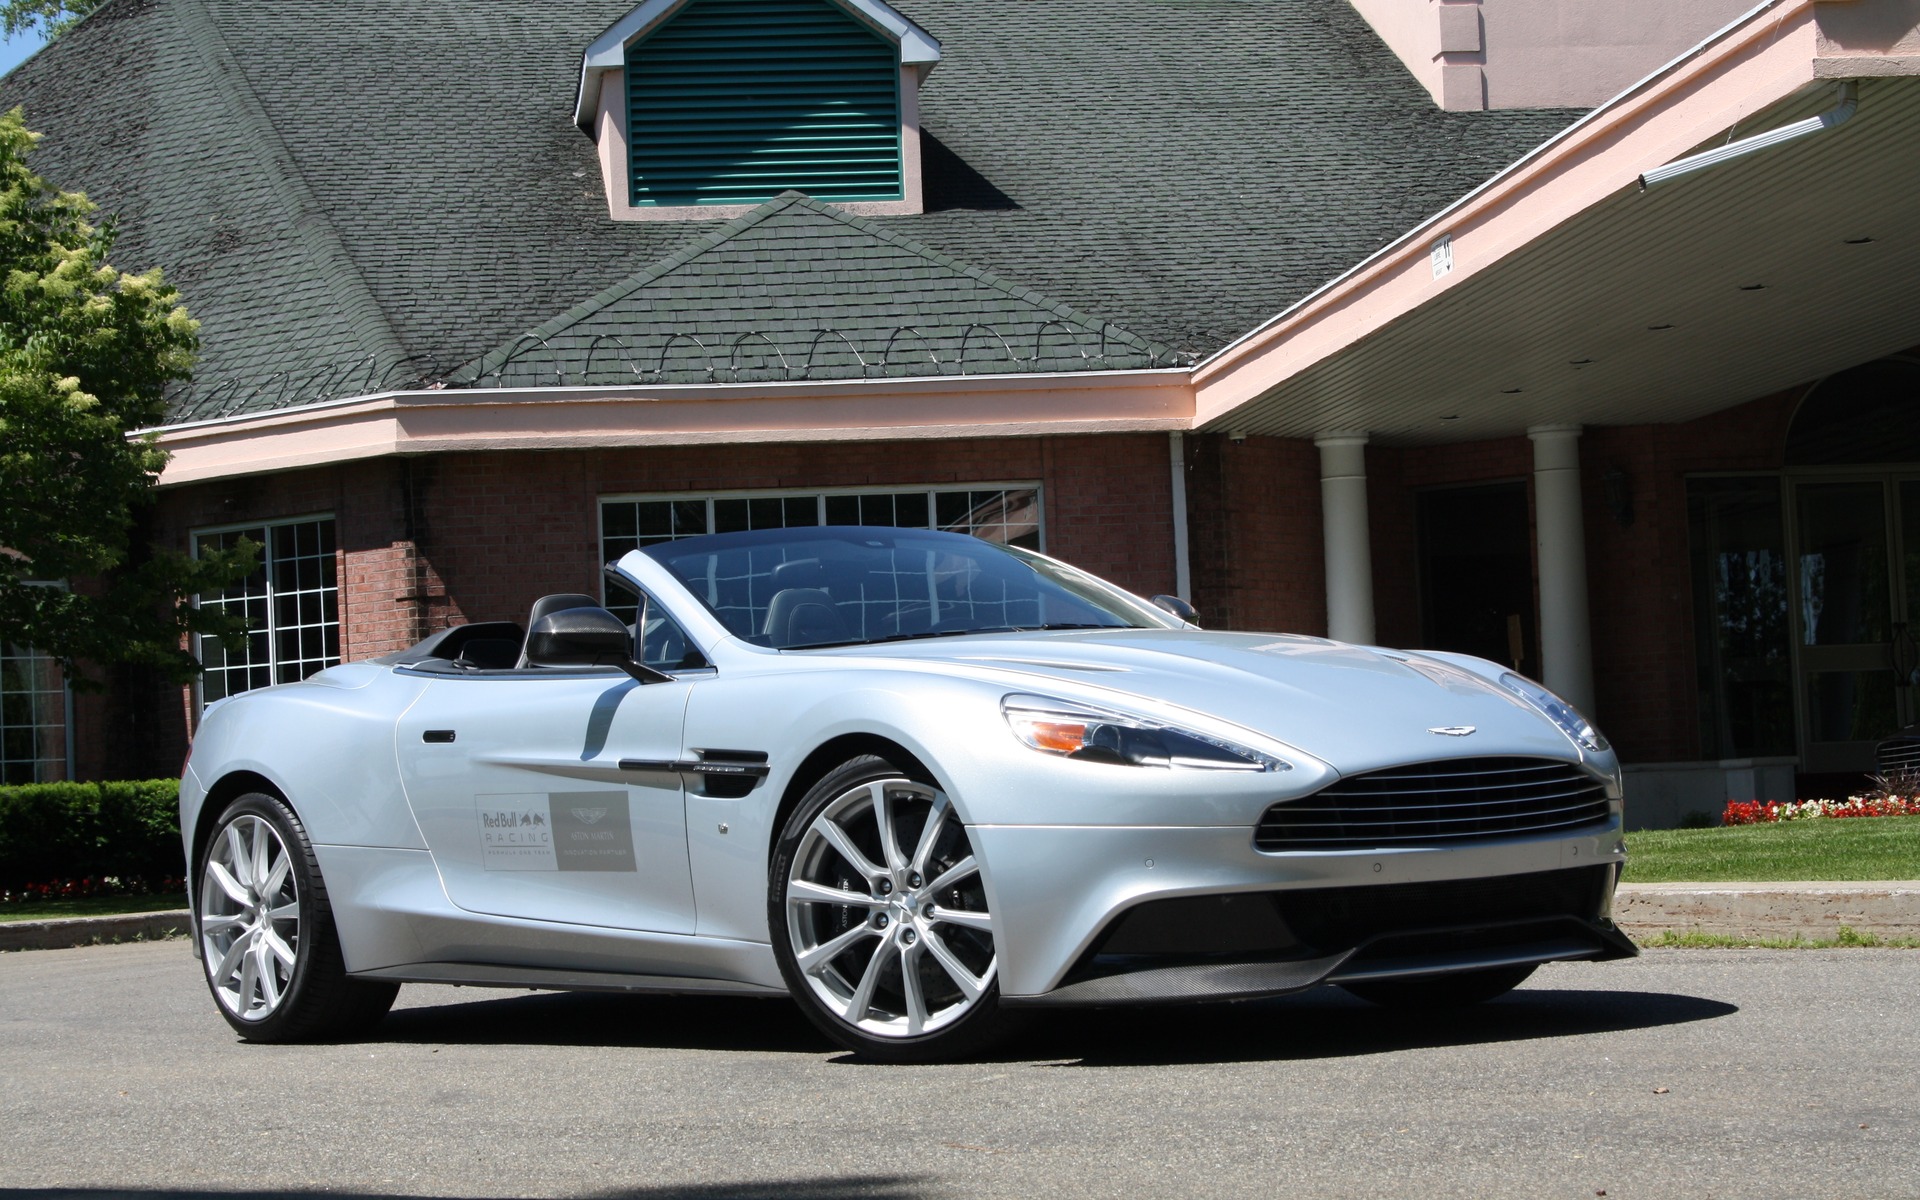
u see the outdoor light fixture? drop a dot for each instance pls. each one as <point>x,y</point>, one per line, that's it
<point>1619,494</point>
<point>1847,99</point>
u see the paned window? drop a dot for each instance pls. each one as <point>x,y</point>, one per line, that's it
<point>33,717</point>
<point>291,604</point>
<point>1005,513</point>
<point>1740,596</point>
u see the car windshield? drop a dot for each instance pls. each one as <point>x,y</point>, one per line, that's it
<point>838,586</point>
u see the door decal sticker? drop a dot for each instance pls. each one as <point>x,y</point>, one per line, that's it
<point>557,831</point>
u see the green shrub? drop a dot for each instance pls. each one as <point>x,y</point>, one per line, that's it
<point>52,831</point>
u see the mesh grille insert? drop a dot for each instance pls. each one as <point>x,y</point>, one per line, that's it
<point>1442,803</point>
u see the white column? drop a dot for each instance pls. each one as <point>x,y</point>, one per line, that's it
<point>1343,509</point>
<point>1182,559</point>
<point>1566,641</point>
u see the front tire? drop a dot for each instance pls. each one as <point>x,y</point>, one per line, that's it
<point>267,940</point>
<point>880,921</point>
<point>1457,990</point>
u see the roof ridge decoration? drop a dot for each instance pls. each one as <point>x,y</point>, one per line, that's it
<point>608,52</point>
<point>305,214</point>
<point>1092,342</point>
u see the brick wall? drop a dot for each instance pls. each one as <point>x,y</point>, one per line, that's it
<point>1254,534</point>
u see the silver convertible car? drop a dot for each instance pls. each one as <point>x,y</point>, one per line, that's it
<point>916,781</point>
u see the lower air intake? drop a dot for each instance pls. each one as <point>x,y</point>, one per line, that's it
<point>1437,803</point>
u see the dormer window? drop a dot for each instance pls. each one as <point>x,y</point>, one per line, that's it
<point>705,108</point>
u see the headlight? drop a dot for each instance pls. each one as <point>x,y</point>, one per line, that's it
<point>1565,715</point>
<point>1098,735</point>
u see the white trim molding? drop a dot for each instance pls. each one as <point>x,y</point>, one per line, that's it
<point>463,419</point>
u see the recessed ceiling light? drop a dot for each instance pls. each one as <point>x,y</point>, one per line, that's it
<point>1753,287</point>
<point>1668,326</point>
<point>1859,241</point>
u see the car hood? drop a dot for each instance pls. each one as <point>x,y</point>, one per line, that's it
<point>1354,707</point>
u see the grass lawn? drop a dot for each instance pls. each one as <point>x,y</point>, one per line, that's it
<point>1851,848</point>
<point>91,906</point>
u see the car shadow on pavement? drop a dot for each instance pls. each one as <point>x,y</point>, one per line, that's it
<point>865,1187</point>
<point>1325,1023</point>
<point>602,1019</point>
<point>1328,1023</point>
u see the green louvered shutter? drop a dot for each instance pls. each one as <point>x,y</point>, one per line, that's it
<point>735,101</point>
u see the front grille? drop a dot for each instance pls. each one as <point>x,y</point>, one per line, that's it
<point>1899,756</point>
<point>1437,803</point>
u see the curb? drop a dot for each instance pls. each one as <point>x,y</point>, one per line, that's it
<point>1770,910</point>
<point>86,931</point>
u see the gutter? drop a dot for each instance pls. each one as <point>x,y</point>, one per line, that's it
<point>1848,100</point>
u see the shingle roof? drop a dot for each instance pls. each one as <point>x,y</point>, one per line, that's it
<point>372,191</point>
<point>798,289</point>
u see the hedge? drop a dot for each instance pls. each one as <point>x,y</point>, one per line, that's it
<point>57,831</point>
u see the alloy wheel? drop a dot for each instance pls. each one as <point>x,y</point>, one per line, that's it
<point>887,912</point>
<point>249,918</point>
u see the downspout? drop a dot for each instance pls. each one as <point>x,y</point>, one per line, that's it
<point>1182,563</point>
<point>1847,100</point>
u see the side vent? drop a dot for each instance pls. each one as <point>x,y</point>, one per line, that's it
<point>735,101</point>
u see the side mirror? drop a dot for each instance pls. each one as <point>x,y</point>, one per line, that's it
<point>1179,608</point>
<point>586,637</point>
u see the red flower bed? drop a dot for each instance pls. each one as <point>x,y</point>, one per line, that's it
<point>1763,812</point>
<point>76,889</point>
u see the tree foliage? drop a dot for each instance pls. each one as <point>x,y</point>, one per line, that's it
<point>86,352</point>
<point>48,18</point>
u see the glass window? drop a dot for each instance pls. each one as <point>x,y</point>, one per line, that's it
<point>1738,548</point>
<point>291,604</point>
<point>797,588</point>
<point>1843,563</point>
<point>33,717</point>
<point>1008,515</point>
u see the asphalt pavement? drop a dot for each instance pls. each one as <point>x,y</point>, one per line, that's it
<point>1708,1073</point>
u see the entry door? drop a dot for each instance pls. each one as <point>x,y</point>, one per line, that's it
<point>516,783</point>
<point>1854,594</point>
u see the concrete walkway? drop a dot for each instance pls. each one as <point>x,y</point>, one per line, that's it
<point>1814,911</point>
<point>88,931</point>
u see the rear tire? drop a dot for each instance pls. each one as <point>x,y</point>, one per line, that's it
<point>1457,990</point>
<point>879,918</point>
<point>267,940</point>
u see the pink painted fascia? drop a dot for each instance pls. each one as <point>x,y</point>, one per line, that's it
<point>1693,102</point>
<point>562,418</point>
<point>610,134</point>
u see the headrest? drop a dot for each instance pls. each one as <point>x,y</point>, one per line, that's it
<point>799,573</point>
